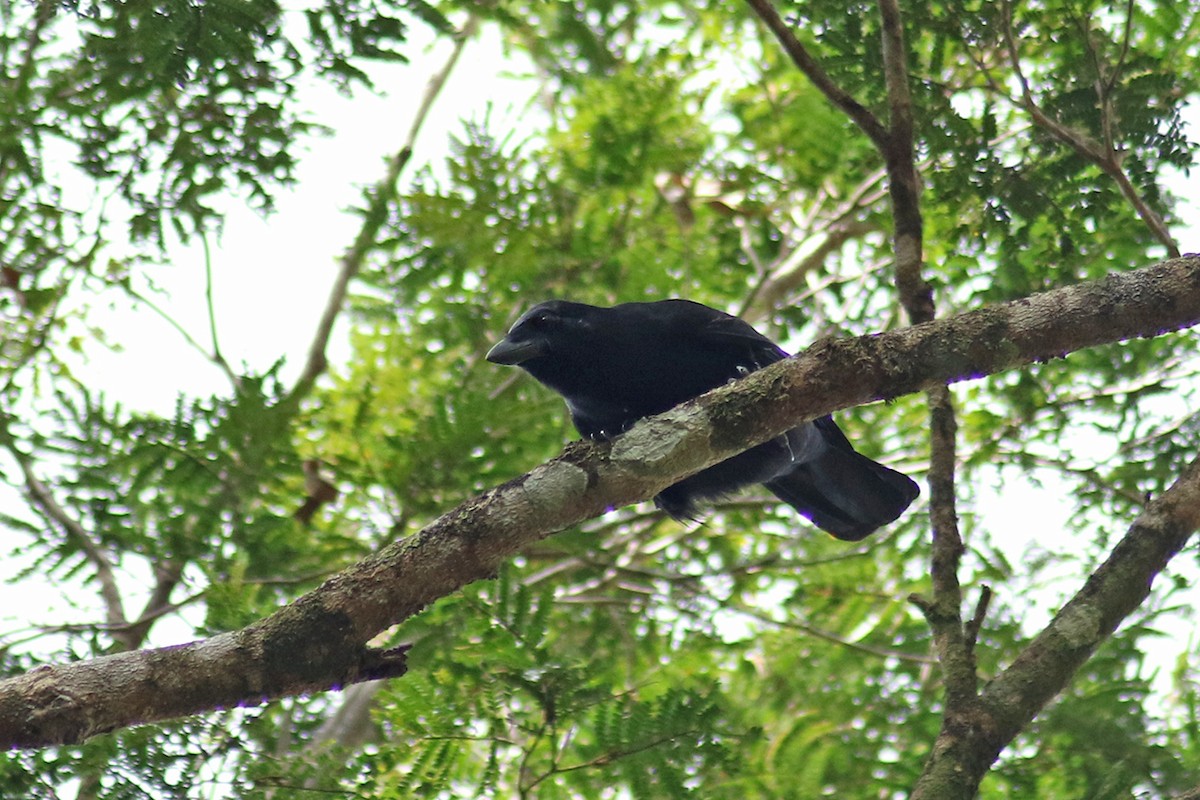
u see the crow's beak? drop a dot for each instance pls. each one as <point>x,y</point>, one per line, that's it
<point>512,353</point>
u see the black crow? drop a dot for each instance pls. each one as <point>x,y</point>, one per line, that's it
<point>617,365</point>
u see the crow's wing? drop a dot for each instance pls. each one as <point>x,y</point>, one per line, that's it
<point>731,333</point>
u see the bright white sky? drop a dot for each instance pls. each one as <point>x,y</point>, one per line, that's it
<point>272,275</point>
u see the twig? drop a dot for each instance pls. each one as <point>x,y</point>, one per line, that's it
<point>1074,139</point>
<point>379,199</point>
<point>1149,216</point>
<point>606,758</point>
<point>215,356</point>
<point>1125,38</point>
<point>167,575</point>
<point>792,265</point>
<point>146,618</point>
<point>1089,474</point>
<point>828,636</point>
<point>691,585</point>
<point>183,332</point>
<point>44,499</point>
<point>976,623</point>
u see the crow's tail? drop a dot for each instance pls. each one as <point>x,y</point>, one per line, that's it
<point>842,491</point>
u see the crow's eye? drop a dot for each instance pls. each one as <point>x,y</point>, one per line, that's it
<point>540,322</point>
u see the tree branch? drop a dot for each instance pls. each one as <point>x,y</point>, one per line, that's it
<point>319,641</point>
<point>858,113</point>
<point>952,642</point>
<point>944,611</point>
<point>1017,694</point>
<point>904,185</point>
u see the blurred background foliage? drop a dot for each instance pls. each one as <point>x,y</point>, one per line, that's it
<point>671,150</point>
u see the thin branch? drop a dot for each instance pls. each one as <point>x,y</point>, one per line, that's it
<point>829,636</point>
<point>859,114</point>
<point>690,584</point>
<point>379,200</point>
<point>944,611</point>
<point>1102,87</point>
<point>1063,465</point>
<point>793,264</point>
<point>1149,216</point>
<point>1077,141</point>
<point>190,340</point>
<point>1124,56</point>
<point>976,622</point>
<point>45,500</point>
<point>114,630</point>
<point>523,769</point>
<point>607,758</point>
<point>215,356</point>
<point>798,264</point>
<point>167,576</point>
<point>1107,159</point>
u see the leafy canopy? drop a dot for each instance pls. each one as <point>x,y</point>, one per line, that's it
<point>672,150</point>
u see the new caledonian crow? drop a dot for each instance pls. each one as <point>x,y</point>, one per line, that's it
<point>617,365</point>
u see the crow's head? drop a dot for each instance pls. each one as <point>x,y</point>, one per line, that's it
<point>554,329</point>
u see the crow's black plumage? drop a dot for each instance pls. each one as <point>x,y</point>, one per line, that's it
<point>616,365</point>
